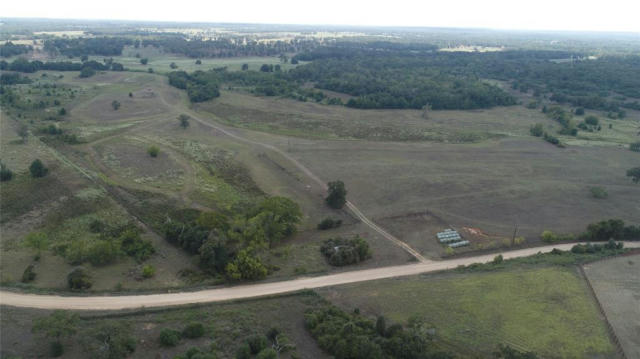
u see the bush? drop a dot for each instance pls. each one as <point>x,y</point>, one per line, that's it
<point>115,104</point>
<point>103,252</point>
<point>193,330</point>
<point>5,173</point>
<point>79,279</point>
<point>243,352</point>
<point>550,237</point>
<point>87,72</point>
<point>268,353</point>
<point>153,151</point>
<point>148,271</point>
<point>329,223</point>
<point>536,130</point>
<point>38,169</point>
<point>598,192</point>
<point>340,252</point>
<point>635,147</point>
<point>169,337</point>
<point>56,349</point>
<point>579,111</point>
<point>28,275</point>
<point>257,343</point>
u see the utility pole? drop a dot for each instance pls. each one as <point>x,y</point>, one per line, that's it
<point>515,231</point>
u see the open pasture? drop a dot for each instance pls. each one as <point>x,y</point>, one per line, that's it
<point>547,310</point>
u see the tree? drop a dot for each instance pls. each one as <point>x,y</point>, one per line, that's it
<point>635,147</point>
<point>294,61</point>
<point>336,197</point>
<point>245,67</point>
<point>198,62</point>
<point>62,111</point>
<point>144,61</point>
<point>173,65</point>
<point>536,130</point>
<point>115,104</point>
<point>184,121</point>
<point>634,173</point>
<point>246,266</point>
<point>5,173</point>
<point>381,326</point>
<point>579,111</point>
<point>29,274</point>
<point>153,151</point>
<point>87,72</point>
<point>58,325</point>
<point>79,279</point>
<point>38,169</point>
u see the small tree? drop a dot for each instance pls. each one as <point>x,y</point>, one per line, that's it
<point>144,61</point>
<point>245,67</point>
<point>5,173</point>
<point>634,173</point>
<point>635,147</point>
<point>598,192</point>
<point>130,94</point>
<point>184,121</point>
<point>153,151</point>
<point>58,325</point>
<point>62,111</point>
<point>115,104</point>
<point>79,279</point>
<point>173,65</point>
<point>193,330</point>
<point>337,194</point>
<point>169,337</point>
<point>536,130</point>
<point>148,271</point>
<point>38,169</point>
<point>23,132</point>
<point>198,62</point>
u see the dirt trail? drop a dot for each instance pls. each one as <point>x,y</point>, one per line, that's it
<point>254,290</point>
<point>316,179</point>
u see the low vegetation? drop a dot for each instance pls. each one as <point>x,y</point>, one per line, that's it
<point>341,252</point>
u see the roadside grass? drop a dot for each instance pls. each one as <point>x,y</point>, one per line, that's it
<point>227,326</point>
<point>545,309</point>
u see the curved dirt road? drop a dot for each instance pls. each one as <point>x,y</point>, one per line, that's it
<point>253,290</point>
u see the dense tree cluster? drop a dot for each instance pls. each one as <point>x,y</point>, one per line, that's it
<point>9,49</point>
<point>352,336</point>
<point>22,65</point>
<point>201,86</point>
<point>103,46</point>
<point>227,47</point>
<point>229,245</point>
<point>611,229</point>
<point>12,78</point>
<point>341,251</point>
<point>384,79</point>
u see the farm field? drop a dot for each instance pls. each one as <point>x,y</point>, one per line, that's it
<point>617,284</point>
<point>547,310</point>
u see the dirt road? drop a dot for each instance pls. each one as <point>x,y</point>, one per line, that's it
<point>253,290</point>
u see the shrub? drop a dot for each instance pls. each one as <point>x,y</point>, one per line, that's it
<point>115,104</point>
<point>169,337</point>
<point>243,352</point>
<point>340,252</point>
<point>79,279</point>
<point>87,72</point>
<point>550,237</point>
<point>153,151</point>
<point>579,111</point>
<point>148,271</point>
<point>635,147</point>
<point>56,349</point>
<point>329,223</point>
<point>498,259</point>
<point>598,192</point>
<point>103,252</point>
<point>193,330</point>
<point>257,343</point>
<point>38,169</point>
<point>5,173</point>
<point>268,353</point>
<point>536,130</point>
<point>28,275</point>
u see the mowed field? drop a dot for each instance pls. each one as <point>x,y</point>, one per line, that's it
<point>548,310</point>
<point>617,285</point>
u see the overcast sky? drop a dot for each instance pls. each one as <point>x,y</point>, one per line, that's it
<point>602,15</point>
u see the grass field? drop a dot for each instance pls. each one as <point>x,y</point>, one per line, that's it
<point>227,325</point>
<point>547,310</point>
<point>617,285</point>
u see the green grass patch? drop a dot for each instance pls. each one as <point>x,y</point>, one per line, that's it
<point>547,310</point>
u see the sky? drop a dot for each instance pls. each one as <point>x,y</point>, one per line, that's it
<point>573,15</point>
